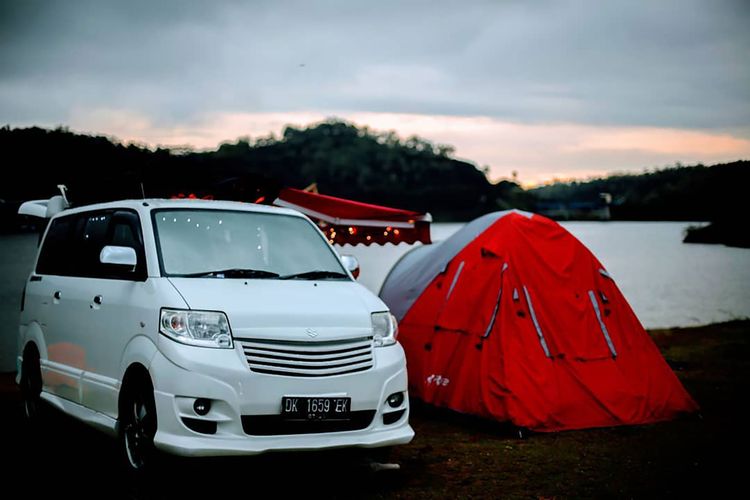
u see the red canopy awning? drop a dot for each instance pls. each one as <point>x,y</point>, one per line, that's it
<point>346,221</point>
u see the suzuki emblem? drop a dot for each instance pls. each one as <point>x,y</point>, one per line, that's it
<point>311,332</point>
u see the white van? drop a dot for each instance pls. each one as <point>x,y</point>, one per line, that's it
<point>208,328</point>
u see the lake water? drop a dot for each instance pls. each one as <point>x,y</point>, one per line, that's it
<point>668,283</point>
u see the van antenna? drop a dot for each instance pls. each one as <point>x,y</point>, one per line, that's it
<point>143,191</point>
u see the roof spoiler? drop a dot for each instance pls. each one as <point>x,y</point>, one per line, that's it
<point>46,209</point>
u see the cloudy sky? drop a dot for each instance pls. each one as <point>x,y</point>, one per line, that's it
<point>551,89</point>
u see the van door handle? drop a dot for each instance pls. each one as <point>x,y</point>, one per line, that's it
<point>98,300</point>
<point>57,295</point>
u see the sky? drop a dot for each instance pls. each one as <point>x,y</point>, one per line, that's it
<point>548,89</point>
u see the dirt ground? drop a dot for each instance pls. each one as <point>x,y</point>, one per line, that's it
<point>451,456</point>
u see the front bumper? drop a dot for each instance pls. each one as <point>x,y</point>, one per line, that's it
<point>183,373</point>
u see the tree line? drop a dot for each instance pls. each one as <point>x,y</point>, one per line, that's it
<point>344,160</point>
<point>689,193</point>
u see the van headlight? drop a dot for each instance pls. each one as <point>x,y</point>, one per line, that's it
<point>200,328</point>
<point>384,329</point>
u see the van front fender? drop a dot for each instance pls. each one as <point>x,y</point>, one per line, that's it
<point>140,349</point>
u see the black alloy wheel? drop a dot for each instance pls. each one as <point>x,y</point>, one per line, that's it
<point>138,421</point>
<point>31,385</point>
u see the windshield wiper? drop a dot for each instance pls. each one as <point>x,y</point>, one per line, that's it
<point>314,275</point>
<point>232,273</point>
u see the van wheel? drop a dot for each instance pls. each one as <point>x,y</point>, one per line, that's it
<point>138,426</point>
<point>31,385</point>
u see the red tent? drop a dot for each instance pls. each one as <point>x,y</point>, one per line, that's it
<point>513,318</point>
<point>347,221</point>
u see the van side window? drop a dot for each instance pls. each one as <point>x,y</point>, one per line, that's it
<point>98,229</point>
<point>91,242</point>
<point>74,242</point>
<point>55,257</point>
<point>122,235</point>
<point>125,231</point>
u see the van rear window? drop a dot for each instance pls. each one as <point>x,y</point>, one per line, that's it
<point>57,252</point>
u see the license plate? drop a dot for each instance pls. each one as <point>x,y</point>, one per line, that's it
<point>304,408</point>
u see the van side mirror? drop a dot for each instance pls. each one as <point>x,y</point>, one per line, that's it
<point>351,264</point>
<point>123,257</point>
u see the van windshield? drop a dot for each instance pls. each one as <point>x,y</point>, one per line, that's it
<point>237,244</point>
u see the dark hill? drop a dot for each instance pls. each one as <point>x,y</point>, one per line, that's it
<point>344,160</point>
<point>350,162</point>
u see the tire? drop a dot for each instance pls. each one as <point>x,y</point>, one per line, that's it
<point>31,386</point>
<point>138,426</point>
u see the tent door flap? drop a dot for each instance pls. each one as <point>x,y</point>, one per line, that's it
<point>497,304</point>
<point>455,279</point>
<point>539,333</point>
<point>603,327</point>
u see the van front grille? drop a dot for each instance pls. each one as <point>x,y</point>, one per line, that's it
<point>308,359</point>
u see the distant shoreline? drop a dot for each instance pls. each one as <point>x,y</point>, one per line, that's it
<point>359,164</point>
<point>719,233</point>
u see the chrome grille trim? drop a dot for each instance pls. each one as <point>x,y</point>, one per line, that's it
<point>308,359</point>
